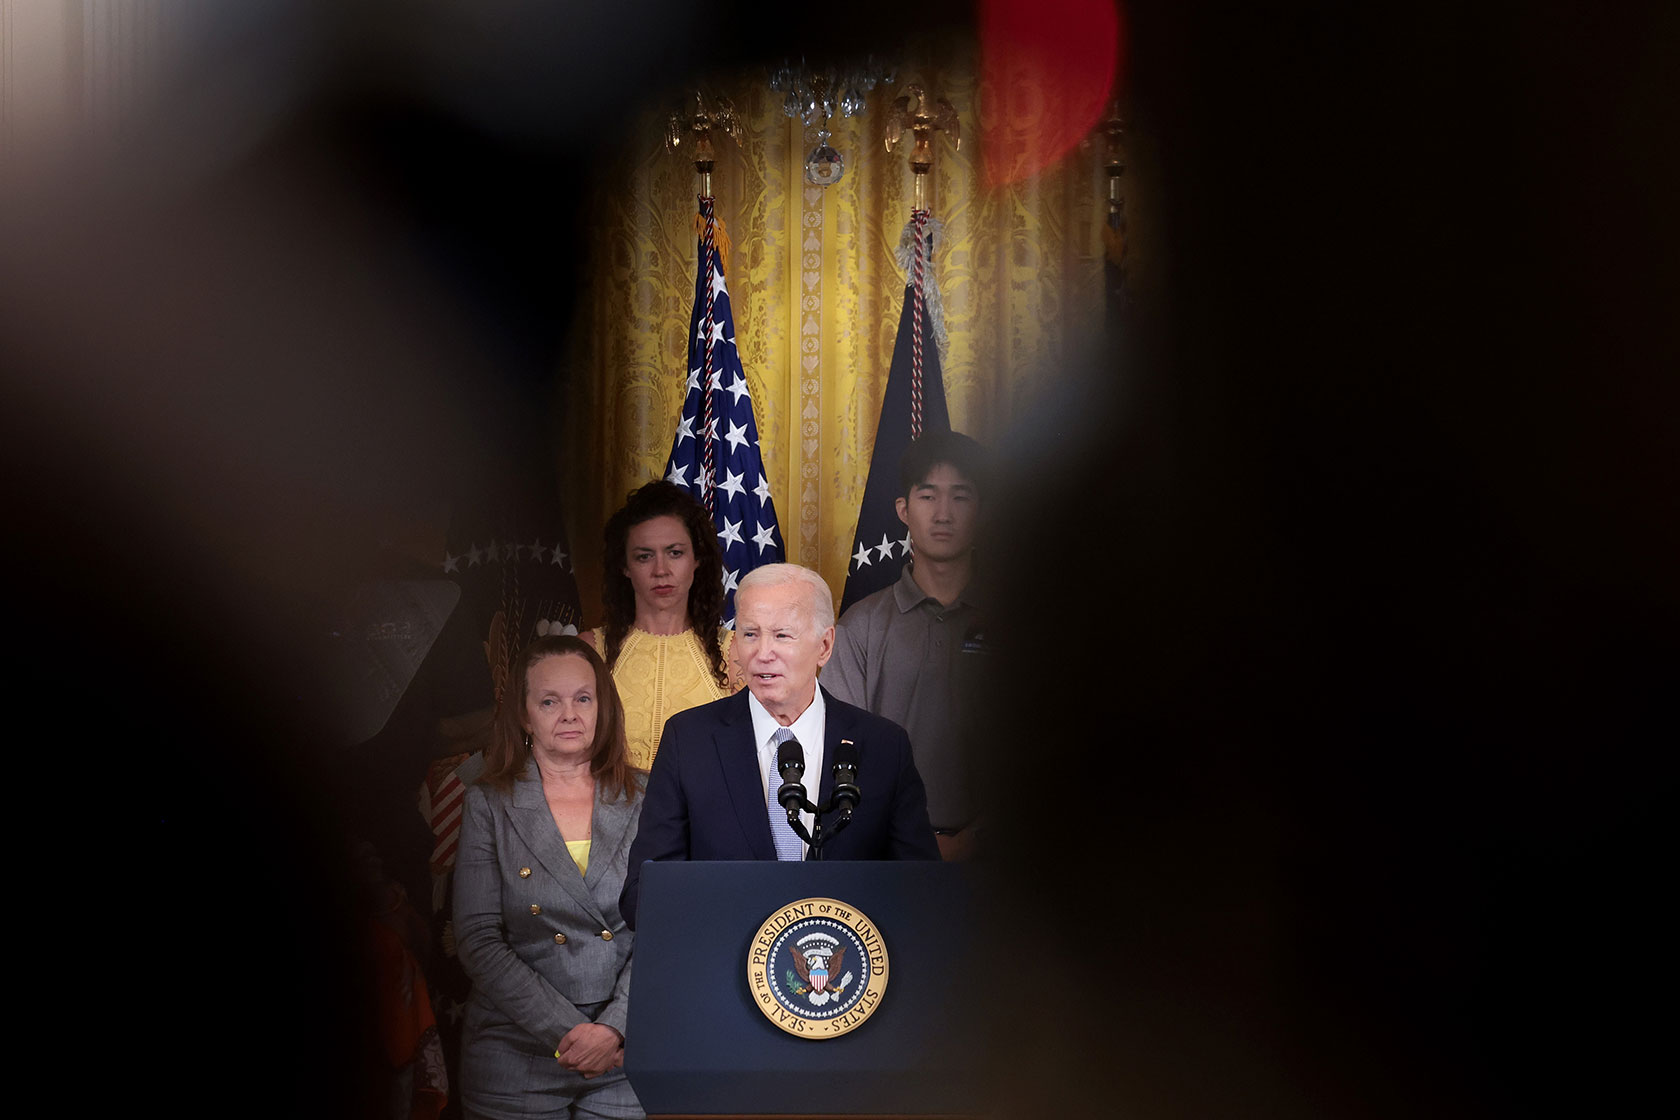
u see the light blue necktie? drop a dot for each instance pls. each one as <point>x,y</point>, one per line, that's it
<point>781,833</point>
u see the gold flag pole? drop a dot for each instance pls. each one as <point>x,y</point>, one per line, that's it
<point>1114,165</point>
<point>913,114</point>
<point>714,241</point>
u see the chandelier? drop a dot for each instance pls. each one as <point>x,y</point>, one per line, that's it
<point>815,94</point>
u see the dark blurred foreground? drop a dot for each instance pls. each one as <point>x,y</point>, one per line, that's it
<point>1344,591</point>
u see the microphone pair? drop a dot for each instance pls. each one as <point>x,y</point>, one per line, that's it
<point>790,764</point>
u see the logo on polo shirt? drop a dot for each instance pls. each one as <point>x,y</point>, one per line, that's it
<point>817,968</point>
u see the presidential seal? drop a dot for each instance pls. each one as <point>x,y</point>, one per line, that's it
<point>817,968</point>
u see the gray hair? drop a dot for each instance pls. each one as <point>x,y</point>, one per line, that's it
<point>820,600</point>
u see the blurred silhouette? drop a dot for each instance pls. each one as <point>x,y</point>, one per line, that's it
<point>1353,572</point>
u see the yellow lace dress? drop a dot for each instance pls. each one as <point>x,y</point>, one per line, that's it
<point>657,677</point>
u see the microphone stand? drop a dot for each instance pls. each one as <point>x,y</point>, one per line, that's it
<point>818,836</point>
<point>798,825</point>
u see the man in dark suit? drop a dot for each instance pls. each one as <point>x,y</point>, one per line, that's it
<point>711,795</point>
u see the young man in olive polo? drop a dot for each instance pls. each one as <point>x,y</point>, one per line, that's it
<point>911,652</point>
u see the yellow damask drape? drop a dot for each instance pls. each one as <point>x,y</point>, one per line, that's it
<point>817,293</point>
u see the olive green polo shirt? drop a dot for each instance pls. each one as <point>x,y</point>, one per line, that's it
<point>902,654</point>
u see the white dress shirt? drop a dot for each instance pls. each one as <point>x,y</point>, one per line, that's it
<point>808,729</point>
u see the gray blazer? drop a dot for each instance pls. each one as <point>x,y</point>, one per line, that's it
<point>536,938</point>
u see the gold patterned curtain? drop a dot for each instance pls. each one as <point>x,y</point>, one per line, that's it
<point>817,292</point>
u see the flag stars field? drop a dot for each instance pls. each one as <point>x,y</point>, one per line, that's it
<point>507,553</point>
<point>906,412</point>
<point>737,435</point>
<point>737,491</point>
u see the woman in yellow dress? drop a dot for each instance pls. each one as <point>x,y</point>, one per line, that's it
<point>663,597</point>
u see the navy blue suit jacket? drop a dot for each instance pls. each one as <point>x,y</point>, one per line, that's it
<point>705,800</point>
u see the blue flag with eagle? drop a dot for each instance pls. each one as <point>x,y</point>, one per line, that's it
<point>715,454</point>
<point>913,403</point>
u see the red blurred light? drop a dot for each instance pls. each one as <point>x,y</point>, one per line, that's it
<point>1047,68</point>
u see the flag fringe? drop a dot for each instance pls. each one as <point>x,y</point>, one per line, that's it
<point>720,237</point>
<point>905,254</point>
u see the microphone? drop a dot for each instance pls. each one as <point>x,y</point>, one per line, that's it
<point>790,764</point>
<point>846,791</point>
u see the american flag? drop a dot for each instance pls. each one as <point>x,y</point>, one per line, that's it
<point>913,403</point>
<point>715,453</point>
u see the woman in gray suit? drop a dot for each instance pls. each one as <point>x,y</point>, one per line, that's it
<point>545,839</point>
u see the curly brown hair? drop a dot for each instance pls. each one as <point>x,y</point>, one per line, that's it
<point>705,594</point>
<point>509,749</point>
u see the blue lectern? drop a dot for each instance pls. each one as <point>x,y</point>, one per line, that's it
<point>698,1043</point>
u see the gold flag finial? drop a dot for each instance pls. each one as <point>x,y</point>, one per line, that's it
<point>914,114</point>
<point>699,125</point>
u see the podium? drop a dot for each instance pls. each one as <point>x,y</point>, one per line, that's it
<point>698,1043</point>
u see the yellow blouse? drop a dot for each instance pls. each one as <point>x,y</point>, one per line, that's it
<point>657,677</point>
<point>579,851</point>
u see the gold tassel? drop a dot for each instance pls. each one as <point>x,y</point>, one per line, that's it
<point>720,238</point>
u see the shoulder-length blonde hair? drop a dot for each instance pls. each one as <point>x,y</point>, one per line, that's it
<point>510,745</point>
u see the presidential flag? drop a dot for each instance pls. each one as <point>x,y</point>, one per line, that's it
<point>914,403</point>
<point>506,548</point>
<point>715,454</point>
